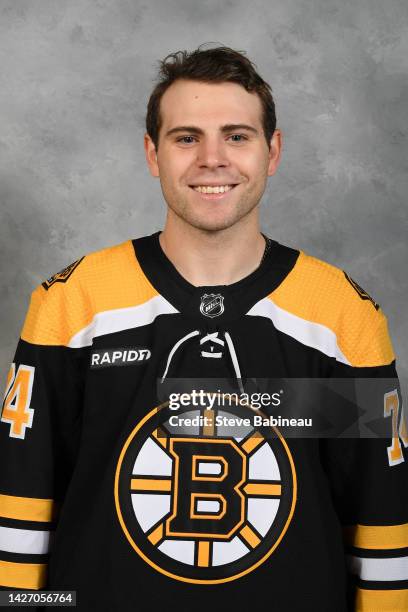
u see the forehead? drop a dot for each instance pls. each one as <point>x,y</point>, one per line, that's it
<point>196,103</point>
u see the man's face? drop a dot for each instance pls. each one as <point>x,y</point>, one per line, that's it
<point>212,136</point>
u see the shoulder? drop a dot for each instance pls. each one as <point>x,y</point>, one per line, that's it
<point>329,299</point>
<point>86,268</point>
<point>328,288</point>
<point>102,280</point>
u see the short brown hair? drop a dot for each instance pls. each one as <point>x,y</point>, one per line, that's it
<point>210,65</point>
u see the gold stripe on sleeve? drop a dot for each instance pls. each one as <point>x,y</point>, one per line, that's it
<point>22,575</point>
<point>27,508</point>
<point>384,537</point>
<point>392,600</point>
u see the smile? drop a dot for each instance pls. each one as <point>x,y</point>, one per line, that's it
<point>212,192</point>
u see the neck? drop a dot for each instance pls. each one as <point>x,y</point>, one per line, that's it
<point>213,257</point>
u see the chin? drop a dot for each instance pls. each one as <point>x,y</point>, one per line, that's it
<point>211,225</point>
<point>204,220</point>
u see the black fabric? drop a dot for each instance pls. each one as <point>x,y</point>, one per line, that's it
<point>91,417</point>
<point>238,296</point>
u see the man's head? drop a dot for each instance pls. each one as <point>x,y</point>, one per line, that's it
<point>211,122</point>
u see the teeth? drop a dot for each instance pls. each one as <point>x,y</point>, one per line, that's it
<point>217,189</point>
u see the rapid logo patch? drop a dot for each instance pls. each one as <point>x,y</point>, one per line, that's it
<point>205,506</point>
<point>63,275</point>
<point>118,357</point>
<point>361,292</point>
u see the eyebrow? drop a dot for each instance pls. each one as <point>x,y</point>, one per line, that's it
<point>229,127</point>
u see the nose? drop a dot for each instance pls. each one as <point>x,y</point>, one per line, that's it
<point>212,154</point>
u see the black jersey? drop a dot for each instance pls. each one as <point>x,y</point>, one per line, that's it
<point>136,504</point>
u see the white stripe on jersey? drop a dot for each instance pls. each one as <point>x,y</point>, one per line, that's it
<point>25,541</point>
<point>395,568</point>
<point>311,334</point>
<point>119,319</point>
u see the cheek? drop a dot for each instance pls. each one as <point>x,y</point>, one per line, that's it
<point>253,165</point>
<point>173,171</point>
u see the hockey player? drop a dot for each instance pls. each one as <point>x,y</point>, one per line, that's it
<point>102,494</point>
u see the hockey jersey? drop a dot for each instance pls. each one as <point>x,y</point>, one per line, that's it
<point>103,493</point>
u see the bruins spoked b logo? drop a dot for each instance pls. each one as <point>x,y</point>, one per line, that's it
<point>207,505</point>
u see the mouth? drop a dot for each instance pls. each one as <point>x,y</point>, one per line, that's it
<point>213,192</point>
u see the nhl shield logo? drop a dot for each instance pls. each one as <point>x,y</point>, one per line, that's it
<point>212,304</point>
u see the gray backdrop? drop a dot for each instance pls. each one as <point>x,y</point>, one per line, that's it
<point>74,81</point>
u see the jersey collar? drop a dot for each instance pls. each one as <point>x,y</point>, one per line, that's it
<point>216,303</point>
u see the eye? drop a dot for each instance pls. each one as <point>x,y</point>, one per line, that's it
<point>183,139</point>
<point>240,136</point>
<point>236,138</point>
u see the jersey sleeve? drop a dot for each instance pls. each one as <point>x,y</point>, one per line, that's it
<point>368,478</point>
<point>39,435</point>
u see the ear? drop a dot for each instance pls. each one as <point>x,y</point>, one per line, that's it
<point>275,152</point>
<point>151,155</point>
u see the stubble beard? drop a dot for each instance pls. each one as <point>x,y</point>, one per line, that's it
<point>181,207</point>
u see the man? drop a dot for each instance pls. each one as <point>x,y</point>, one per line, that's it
<point>105,490</point>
